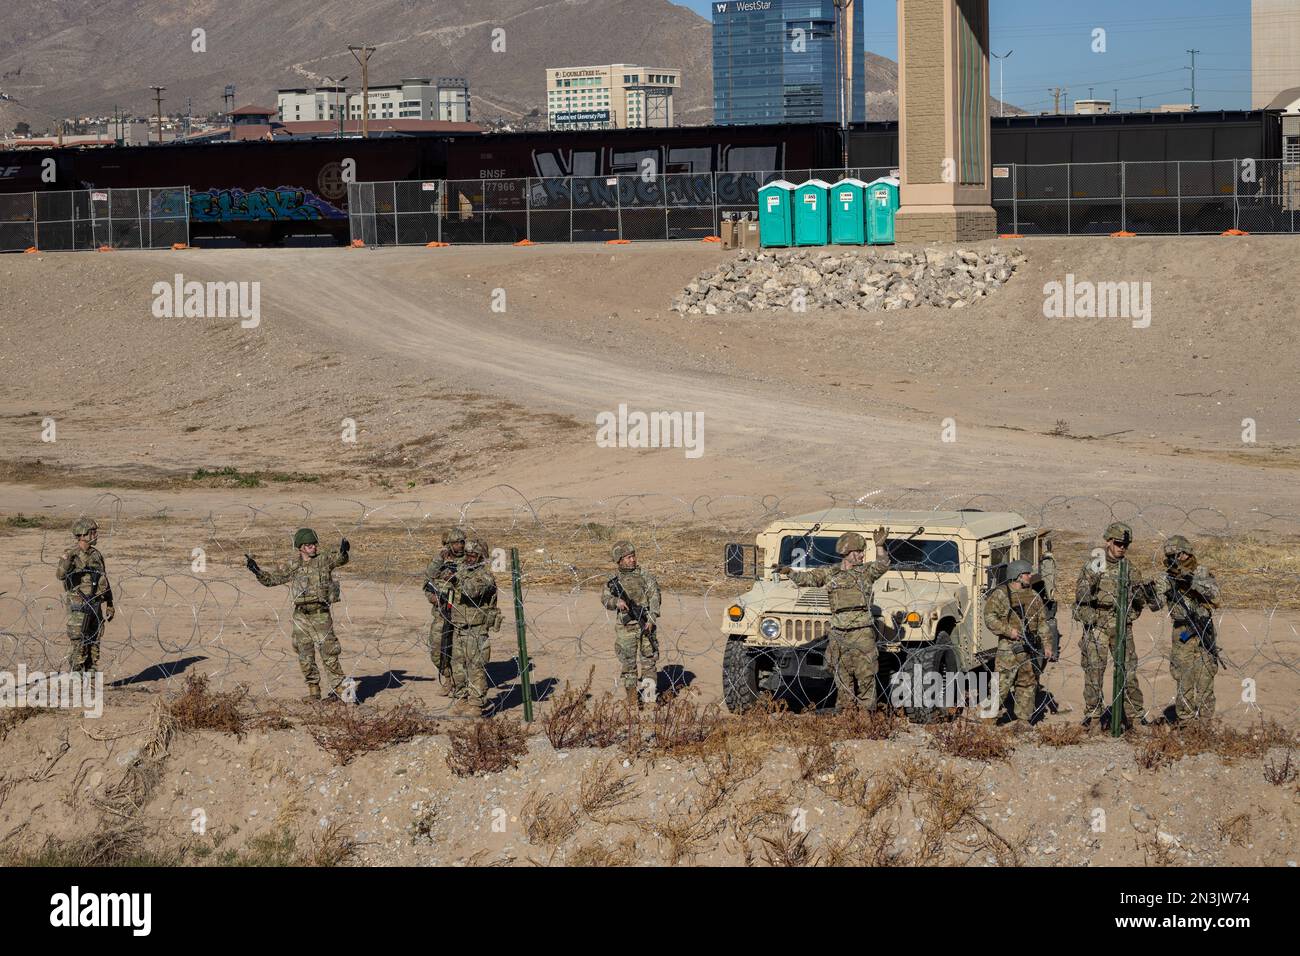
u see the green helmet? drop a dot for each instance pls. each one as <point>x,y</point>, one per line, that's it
<point>621,550</point>
<point>1177,543</point>
<point>452,535</point>
<point>476,546</point>
<point>850,541</point>
<point>1017,568</point>
<point>1119,531</point>
<point>304,536</point>
<point>84,526</point>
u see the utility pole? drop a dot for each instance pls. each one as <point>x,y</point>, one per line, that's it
<point>1056,92</point>
<point>362,55</point>
<point>1001,58</point>
<point>157,95</point>
<point>841,76</point>
<point>1193,53</point>
<point>1114,104</point>
<point>1139,104</point>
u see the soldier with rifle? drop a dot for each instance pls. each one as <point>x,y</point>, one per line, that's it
<point>1192,594</point>
<point>88,595</point>
<point>1015,612</point>
<point>634,594</point>
<point>440,581</point>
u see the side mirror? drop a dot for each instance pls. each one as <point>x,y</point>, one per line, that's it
<point>734,563</point>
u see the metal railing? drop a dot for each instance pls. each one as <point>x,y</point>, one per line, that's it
<point>1067,199</point>
<point>567,209</point>
<point>81,219</point>
<point>1178,197</point>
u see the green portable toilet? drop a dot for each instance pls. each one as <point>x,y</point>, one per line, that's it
<point>882,204</point>
<point>848,212</point>
<point>776,214</point>
<point>812,217</point>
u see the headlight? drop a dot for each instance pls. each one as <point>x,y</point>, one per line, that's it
<point>913,619</point>
<point>770,627</point>
<point>735,612</point>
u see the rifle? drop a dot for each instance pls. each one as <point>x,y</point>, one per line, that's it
<point>444,637</point>
<point>634,610</point>
<point>1031,640</point>
<point>90,609</point>
<point>1200,626</point>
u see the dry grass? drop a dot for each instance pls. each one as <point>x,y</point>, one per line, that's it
<point>1278,775</point>
<point>11,717</point>
<point>972,740</point>
<point>486,746</point>
<point>1155,851</point>
<point>197,707</point>
<point>1061,735</point>
<point>1236,830</point>
<point>548,821</point>
<point>1167,744</point>
<point>623,853</point>
<point>604,788</point>
<point>345,732</point>
<point>788,849</point>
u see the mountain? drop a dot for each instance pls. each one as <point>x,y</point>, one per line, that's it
<point>77,57</point>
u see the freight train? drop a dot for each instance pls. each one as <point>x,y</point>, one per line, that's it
<point>266,192</point>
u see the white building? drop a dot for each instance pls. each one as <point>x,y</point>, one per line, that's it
<point>322,103</point>
<point>616,96</point>
<point>1091,107</point>
<point>413,98</point>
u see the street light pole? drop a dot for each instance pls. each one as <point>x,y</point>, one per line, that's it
<point>841,75</point>
<point>1001,58</point>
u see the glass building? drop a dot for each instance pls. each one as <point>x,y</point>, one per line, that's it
<point>774,62</point>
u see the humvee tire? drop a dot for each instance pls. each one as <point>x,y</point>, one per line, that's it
<point>739,677</point>
<point>938,656</point>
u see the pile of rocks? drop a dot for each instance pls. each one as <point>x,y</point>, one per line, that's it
<point>867,281</point>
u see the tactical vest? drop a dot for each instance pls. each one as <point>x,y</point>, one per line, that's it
<point>850,598</point>
<point>312,584</point>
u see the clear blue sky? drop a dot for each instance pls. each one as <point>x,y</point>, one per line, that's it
<point>1146,49</point>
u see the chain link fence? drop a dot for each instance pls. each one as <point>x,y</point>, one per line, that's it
<point>80,219</point>
<point>1152,198</point>
<point>568,209</point>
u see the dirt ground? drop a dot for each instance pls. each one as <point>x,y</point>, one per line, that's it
<point>475,377</point>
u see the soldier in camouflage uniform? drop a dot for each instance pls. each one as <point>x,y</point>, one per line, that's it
<point>88,595</point>
<point>1047,577</point>
<point>1094,608</point>
<point>1016,614</point>
<point>310,576</point>
<point>474,614</point>
<point>851,652</point>
<point>1188,587</point>
<point>634,641</point>
<point>440,580</point>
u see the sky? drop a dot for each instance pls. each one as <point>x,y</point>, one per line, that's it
<point>1146,44</point>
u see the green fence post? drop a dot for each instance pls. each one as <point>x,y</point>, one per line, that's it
<point>525,670</point>
<point>1121,651</point>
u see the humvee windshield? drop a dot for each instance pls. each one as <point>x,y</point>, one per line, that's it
<point>915,554</point>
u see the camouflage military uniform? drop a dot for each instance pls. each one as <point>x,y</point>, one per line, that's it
<point>1192,666</point>
<point>89,600</point>
<point>1094,607</point>
<point>1047,572</point>
<point>851,652</point>
<point>473,614</point>
<point>633,644</point>
<point>311,584</point>
<point>1017,676</point>
<point>440,628</point>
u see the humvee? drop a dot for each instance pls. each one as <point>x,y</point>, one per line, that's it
<point>928,608</point>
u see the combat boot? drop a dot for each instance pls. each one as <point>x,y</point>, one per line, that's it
<point>466,708</point>
<point>313,694</point>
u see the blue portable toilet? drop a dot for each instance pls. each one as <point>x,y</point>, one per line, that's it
<point>882,205</point>
<point>848,212</point>
<point>776,214</point>
<point>812,216</point>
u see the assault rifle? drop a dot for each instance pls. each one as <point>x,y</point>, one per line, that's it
<point>634,610</point>
<point>1033,642</point>
<point>1200,626</point>
<point>91,608</point>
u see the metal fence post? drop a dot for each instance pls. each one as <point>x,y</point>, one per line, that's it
<point>483,187</point>
<point>1123,197</point>
<point>1069,201</point>
<point>713,182</point>
<point>663,196</point>
<point>1236,201</point>
<point>1015,198</point>
<point>570,209</point>
<point>185,197</point>
<point>618,203</point>
<point>442,205</point>
<point>528,211</point>
<point>36,223</point>
<point>1178,177</point>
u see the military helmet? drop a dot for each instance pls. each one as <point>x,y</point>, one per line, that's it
<point>1177,543</point>
<point>621,550</point>
<point>452,535</point>
<point>1017,568</point>
<point>304,536</point>
<point>476,546</point>
<point>84,526</point>
<point>1119,531</point>
<point>850,541</point>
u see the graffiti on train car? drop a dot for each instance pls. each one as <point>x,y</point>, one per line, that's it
<point>283,203</point>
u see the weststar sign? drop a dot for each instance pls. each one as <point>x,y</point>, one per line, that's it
<point>742,6</point>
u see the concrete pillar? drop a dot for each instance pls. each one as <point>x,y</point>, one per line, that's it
<point>943,122</point>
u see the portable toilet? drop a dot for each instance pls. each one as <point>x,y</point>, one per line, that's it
<point>776,214</point>
<point>848,212</point>
<point>812,218</point>
<point>882,204</point>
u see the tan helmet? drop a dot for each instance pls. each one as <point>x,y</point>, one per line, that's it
<point>1119,531</point>
<point>452,535</point>
<point>621,550</point>
<point>84,526</point>
<point>476,546</point>
<point>1178,543</point>
<point>850,541</point>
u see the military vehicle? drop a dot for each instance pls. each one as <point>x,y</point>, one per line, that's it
<point>928,607</point>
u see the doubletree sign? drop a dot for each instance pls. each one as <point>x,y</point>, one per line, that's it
<point>582,116</point>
